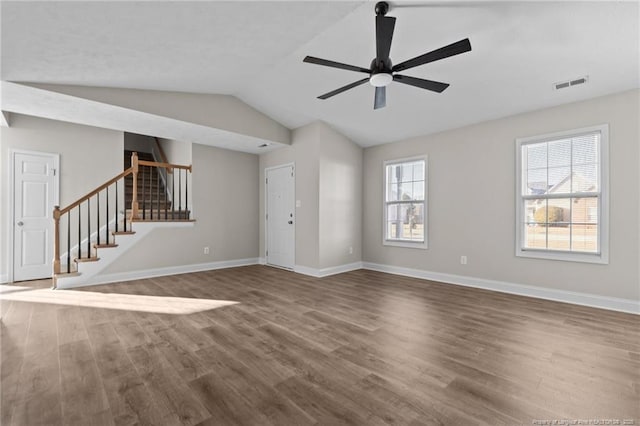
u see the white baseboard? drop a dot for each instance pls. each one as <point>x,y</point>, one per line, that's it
<point>160,272</point>
<point>4,278</point>
<point>262,261</point>
<point>576,298</point>
<point>325,272</point>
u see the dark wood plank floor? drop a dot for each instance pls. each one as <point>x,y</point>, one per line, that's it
<point>362,348</point>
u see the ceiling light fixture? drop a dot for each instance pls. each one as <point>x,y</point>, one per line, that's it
<point>380,80</point>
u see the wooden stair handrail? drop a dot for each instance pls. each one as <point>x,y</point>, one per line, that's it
<point>95,191</point>
<point>163,165</point>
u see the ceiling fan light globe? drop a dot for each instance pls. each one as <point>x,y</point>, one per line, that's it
<point>381,79</point>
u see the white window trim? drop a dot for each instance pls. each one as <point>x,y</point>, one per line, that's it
<point>603,228</point>
<point>406,244</point>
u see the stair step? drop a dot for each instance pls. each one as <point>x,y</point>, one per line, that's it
<point>86,259</point>
<point>177,215</point>
<point>97,246</point>
<point>122,232</point>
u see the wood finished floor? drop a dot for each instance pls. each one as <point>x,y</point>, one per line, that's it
<point>362,348</point>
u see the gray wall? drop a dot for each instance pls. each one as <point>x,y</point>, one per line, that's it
<point>472,200</point>
<point>225,198</point>
<point>340,195</point>
<point>329,189</point>
<point>89,156</point>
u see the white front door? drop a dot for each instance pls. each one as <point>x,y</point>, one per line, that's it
<point>280,216</point>
<point>34,196</point>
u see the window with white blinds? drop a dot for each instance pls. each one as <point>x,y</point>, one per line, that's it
<point>405,202</point>
<point>562,196</point>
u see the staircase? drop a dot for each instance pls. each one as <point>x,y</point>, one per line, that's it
<point>98,228</point>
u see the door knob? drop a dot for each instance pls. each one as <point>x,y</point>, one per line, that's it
<point>20,223</point>
<point>290,222</point>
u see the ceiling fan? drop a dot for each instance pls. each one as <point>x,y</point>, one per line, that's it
<point>382,72</point>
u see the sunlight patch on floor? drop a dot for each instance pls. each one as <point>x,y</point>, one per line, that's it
<point>128,302</point>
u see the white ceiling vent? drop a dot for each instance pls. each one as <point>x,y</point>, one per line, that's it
<point>569,83</point>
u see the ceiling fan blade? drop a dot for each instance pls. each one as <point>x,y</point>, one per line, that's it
<point>384,35</point>
<point>333,64</point>
<point>434,86</point>
<point>380,101</point>
<point>453,49</point>
<point>343,89</point>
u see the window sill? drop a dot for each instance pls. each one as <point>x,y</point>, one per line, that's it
<point>598,258</point>
<point>405,244</point>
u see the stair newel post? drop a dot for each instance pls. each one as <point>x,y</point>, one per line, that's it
<point>134,197</point>
<point>56,240</point>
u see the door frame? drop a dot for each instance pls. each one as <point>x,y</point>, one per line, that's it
<point>266,210</point>
<point>12,197</point>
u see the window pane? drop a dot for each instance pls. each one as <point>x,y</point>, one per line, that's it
<point>536,182</point>
<point>558,230</point>
<point>418,190</point>
<point>559,153</point>
<point>418,171</point>
<point>536,156</point>
<point>585,149</point>
<point>584,238</point>
<point>407,191</point>
<point>559,180</point>
<point>535,236</point>
<point>392,192</point>
<point>407,172</point>
<point>558,237</point>
<point>416,222</point>
<point>530,208</point>
<point>584,210</point>
<point>559,212</point>
<point>393,172</point>
<point>585,178</point>
<point>539,208</point>
<point>393,212</point>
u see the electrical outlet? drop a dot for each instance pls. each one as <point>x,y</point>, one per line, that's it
<point>206,250</point>
<point>350,250</point>
<point>463,260</point>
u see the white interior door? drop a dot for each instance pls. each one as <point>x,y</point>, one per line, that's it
<point>34,192</point>
<point>280,216</point>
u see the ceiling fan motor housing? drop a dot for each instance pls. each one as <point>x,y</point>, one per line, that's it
<point>381,74</point>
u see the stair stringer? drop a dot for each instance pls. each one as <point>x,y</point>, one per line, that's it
<point>89,272</point>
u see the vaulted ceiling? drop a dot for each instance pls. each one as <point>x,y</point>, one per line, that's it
<point>254,51</point>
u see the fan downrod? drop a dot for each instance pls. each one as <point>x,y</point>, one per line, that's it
<point>382,7</point>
